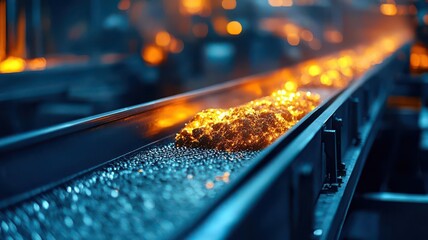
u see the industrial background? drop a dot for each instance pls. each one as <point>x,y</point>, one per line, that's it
<point>95,96</point>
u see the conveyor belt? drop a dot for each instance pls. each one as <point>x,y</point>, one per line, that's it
<point>147,194</point>
<point>161,191</point>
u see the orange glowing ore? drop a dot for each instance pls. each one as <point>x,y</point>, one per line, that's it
<point>252,126</point>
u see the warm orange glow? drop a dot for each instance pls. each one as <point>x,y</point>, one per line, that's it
<point>16,64</point>
<point>337,71</point>
<point>251,126</point>
<point>404,102</point>
<point>419,58</point>
<point>12,64</point>
<point>333,36</point>
<point>228,4</point>
<point>170,116</point>
<point>290,86</point>
<point>234,28</point>
<point>224,177</point>
<point>293,39</point>
<point>425,19</point>
<point>388,9</point>
<point>314,70</point>
<point>280,3</point>
<point>307,35</point>
<point>209,185</point>
<point>176,46</point>
<point>291,28</point>
<point>18,46</point>
<point>163,39</point>
<point>345,61</point>
<point>153,55</point>
<point>200,30</point>
<point>192,7</point>
<point>388,44</point>
<point>325,80</point>
<point>2,29</point>
<point>124,5</point>
<point>287,3</point>
<point>415,60</point>
<point>36,64</point>
<point>275,3</point>
<point>254,125</point>
<point>220,24</point>
<point>291,32</point>
<point>424,61</point>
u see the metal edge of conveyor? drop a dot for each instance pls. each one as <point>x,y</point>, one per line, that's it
<point>34,162</point>
<point>296,167</point>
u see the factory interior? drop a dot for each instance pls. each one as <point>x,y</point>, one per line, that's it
<point>213,119</point>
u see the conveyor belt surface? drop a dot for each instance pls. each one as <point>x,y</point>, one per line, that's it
<point>148,194</point>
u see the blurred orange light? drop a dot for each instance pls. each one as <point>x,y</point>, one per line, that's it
<point>290,28</point>
<point>388,9</point>
<point>424,61</point>
<point>345,61</point>
<point>124,5</point>
<point>209,185</point>
<point>287,3</point>
<point>234,28</point>
<point>12,64</point>
<point>220,24</point>
<point>275,3</point>
<point>425,18</point>
<point>307,35</point>
<point>333,74</point>
<point>314,70</point>
<point>228,4</point>
<point>153,55</point>
<point>388,44</point>
<point>36,64</point>
<point>333,36</point>
<point>176,46</point>
<point>415,60</point>
<point>200,30</point>
<point>3,35</point>
<point>290,86</point>
<point>326,80</point>
<point>163,39</point>
<point>293,39</point>
<point>193,6</point>
<point>280,3</point>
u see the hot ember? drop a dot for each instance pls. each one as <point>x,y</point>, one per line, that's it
<point>251,126</point>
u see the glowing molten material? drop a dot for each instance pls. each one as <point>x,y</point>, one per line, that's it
<point>12,64</point>
<point>251,126</point>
